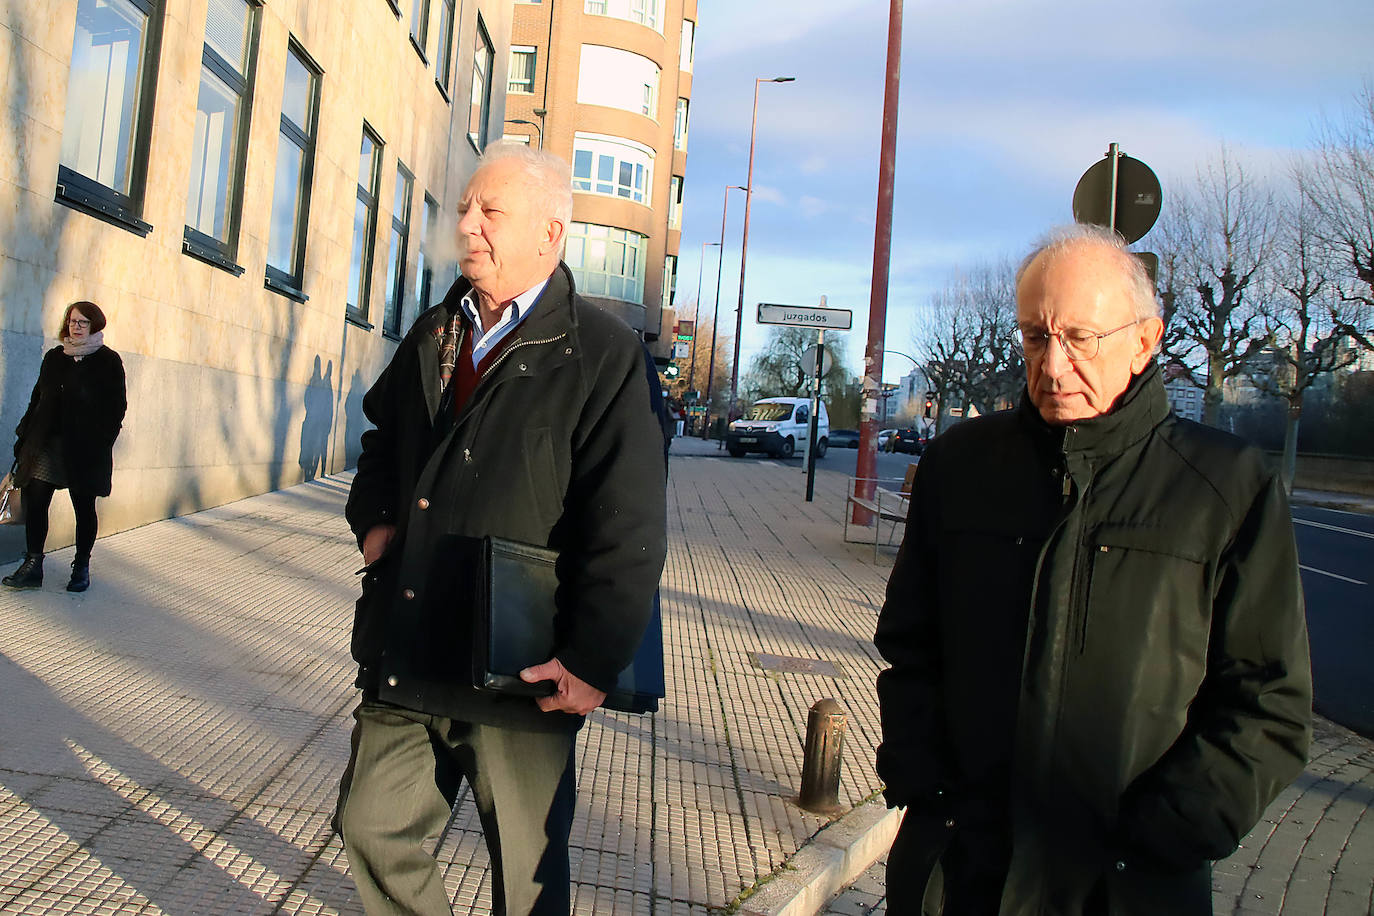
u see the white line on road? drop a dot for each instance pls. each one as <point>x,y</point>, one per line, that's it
<point>1332,575</point>
<point>1303,521</point>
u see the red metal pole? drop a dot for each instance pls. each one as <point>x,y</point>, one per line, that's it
<point>882,256</point>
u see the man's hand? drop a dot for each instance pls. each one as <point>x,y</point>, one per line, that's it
<point>571,693</point>
<point>375,542</point>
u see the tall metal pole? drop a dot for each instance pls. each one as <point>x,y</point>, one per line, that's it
<point>696,313</point>
<point>866,471</point>
<point>744,244</point>
<point>715,314</point>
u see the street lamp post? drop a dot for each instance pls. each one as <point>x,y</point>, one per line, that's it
<point>696,314</point>
<point>715,314</point>
<point>744,245</point>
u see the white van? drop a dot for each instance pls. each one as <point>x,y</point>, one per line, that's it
<point>778,426</point>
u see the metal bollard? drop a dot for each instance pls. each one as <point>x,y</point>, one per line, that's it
<point>825,728</point>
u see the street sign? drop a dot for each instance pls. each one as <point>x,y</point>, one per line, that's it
<point>809,361</point>
<point>681,350</point>
<point>805,316</point>
<point>1138,196</point>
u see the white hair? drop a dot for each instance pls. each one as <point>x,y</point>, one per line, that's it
<point>549,173</point>
<point>1139,288</point>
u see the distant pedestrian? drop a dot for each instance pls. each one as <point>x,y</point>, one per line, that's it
<point>66,438</point>
<point>1095,624</point>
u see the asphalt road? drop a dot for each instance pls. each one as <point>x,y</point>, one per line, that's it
<point>1336,553</point>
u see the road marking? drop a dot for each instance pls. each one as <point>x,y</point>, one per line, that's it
<point>1303,521</point>
<point>1332,575</point>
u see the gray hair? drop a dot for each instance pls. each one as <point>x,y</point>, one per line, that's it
<point>1139,288</point>
<point>550,174</point>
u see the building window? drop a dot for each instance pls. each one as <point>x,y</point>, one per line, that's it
<point>522,139</point>
<point>424,263</point>
<point>295,169</point>
<point>443,63</point>
<point>617,79</point>
<point>645,12</point>
<point>419,25</point>
<point>613,166</point>
<point>221,132</point>
<point>522,59</point>
<point>688,47</point>
<point>669,281</point>
<point>364,225</point>
<point>482,60</point>
<point>675,203</point>
<point>607,261</point>
<point>680,125</point>
<point>109,98</point>
<point>396,257</point>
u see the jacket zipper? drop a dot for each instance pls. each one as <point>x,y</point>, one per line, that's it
<point>516,346</point>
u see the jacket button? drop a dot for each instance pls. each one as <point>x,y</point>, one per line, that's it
<point>408,594</point>
<point>949,822</point>
<point>422,503</point>
<point>522,367</point>
<point>1120,866</point>
<point>391,681</point>
<point>568,352</point>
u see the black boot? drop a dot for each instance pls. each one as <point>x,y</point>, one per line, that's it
<point>28,575</point>
<point>81,575</point>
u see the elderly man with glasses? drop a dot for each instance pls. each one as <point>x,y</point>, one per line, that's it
<point>1099,673</point>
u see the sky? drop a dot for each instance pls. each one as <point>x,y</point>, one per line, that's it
<point>1003,105</point>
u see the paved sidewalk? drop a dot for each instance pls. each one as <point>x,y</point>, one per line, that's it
<point>170,741</point>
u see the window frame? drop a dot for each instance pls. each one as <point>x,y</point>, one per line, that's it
<point>675,191</point>
<point>419,16</point>
<point>483,39</point>
<point>681,116</point>
<point>424,261</point>
<point>511,81</point>
<point>687,42</point>
<point>223,253</point>
<point>629,239</point>
<point>393,307</point>
<point>369,197</point>
<point>599,146</point>
<point>89,195</point>
<point>293,284</point>
<point>443,63</point>
<point>669,281</point>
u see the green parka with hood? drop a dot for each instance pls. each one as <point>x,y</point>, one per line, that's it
<point>1097,641</point>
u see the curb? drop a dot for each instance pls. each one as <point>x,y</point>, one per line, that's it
<point>830,861</point>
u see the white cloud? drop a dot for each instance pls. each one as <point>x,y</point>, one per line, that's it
<point>812,207</point>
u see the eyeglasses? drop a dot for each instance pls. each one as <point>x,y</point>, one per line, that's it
<point>79,323</point>
<point>1078,343</point>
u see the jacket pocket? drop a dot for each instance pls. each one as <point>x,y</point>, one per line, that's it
<point>368,609</point>
<point>541,474</point>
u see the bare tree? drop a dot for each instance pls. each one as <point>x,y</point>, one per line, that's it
<point>778,370</point>
<point>1304,316</point>
<point>1342,190</point>
<point>1215,242</point>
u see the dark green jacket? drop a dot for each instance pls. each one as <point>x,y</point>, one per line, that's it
<point>1097,641</point>
<point>558,446</point>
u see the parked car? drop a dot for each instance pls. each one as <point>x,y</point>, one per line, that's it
<point>844,438</point>
<point>775,426</point>
<point>909,441</point>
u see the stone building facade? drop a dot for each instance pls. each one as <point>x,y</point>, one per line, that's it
<point>258,195</point>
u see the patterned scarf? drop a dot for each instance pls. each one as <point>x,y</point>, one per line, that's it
<point>88,346</point>
<point>448,349</point>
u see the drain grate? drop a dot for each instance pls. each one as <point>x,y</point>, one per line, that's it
<point>790,665</point>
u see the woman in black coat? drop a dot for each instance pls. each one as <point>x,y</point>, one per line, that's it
<point>66,439</point>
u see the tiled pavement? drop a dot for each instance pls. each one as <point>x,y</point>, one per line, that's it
<point>170,741</point>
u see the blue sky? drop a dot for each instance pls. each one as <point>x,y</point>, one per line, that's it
<point>1004,103</point>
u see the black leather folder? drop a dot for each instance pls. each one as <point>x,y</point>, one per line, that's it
<point>516,626</point>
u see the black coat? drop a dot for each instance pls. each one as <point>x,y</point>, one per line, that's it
<point>1097,641</point>
<point>83,401</point>
<point>557,446</point>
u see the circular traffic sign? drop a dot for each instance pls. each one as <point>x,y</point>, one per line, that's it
<point>809,361</point>
<point>1138,197</point>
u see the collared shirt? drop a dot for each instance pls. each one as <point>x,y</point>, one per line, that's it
<point>511,316</point>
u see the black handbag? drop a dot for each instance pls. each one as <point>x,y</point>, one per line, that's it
<point>515,626</point>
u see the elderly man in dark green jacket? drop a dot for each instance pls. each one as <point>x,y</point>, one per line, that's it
<point>1099,673</point>
<point>516,409</point>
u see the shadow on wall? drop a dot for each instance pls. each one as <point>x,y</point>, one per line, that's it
<point>354,421</point>
<point>319,419</point>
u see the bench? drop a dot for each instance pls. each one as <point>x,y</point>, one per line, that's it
<point>886,506</point>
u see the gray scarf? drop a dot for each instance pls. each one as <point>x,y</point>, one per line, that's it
<point>88,346</point>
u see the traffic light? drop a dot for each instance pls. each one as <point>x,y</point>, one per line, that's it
<point>929,407</point>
